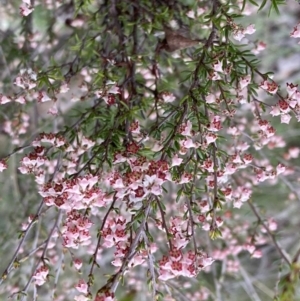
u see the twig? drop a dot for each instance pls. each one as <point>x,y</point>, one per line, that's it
<point>94,262</point>
<point>25,233</point>
<point>270,234</point>
<point>162,213</point>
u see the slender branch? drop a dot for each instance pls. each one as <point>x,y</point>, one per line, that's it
<point>151,266</point>
<point>24,236</point>
<point>270,234</point>
<point>42,258</point>
<point>94,262</point>
<point>162,213</point>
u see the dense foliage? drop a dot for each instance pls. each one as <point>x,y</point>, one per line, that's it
<point>139,151</point>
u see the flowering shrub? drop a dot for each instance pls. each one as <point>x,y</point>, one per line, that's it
<point>143,132</point>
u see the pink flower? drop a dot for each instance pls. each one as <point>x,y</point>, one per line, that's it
<point>3,165</point>
<point>214,76</point>
<point>296,32</point>
<point>269,87</point>
<point>210,137</point>
<point>176,161</point>
<point>259,47</point>
<point>280,169</point>
<point>153,184</point>
<point>206,261</point>
<point>26,8</point>
<point>43,97</point>
<point>215,125</point>
<point>238,34</point>
<point>40,275</point>
<point>77,264</point>
<point>168,97</point>
<point>53,110</point>
<point>186,128</point>
<point>165,275</point>
<point>275,111</point>
<point>26,79</point>
<point>187,143</point>
<point>81,298</point>
<point>210,98</point>
<point>284,106</point>
<point>191,14</point>
<point>218,66</point>
<point>4,99</point>
<point>257,254</point>
<point>244,81</point>
<point>82,286</point>
<point>247,158</point>
<point>272,225</point>
<point>208,165</point>
<point>250,29</point>
<point>291,89</point>
<point>114,90</point>
<point>285,118</point>
<point>21,99</point>
<point>64,88</point>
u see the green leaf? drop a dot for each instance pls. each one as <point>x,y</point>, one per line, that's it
<point>262,5</point>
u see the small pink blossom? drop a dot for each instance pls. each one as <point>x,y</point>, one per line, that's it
<point>26,79</point>
<point>40,275</point>
<point>275,111</point>
<point>238,34</point>
<point>191,14</point>
<point>291,89</point>
<point>26,8</point>
<point>3,165</point>
<point>272,225</point>
<point>244,81</point>
<point>81,298</point>
<point>82,286</point>
<point>215,124</point>
<point>53,110</point>
<point>188,143</point>
<point>64,88</point>
<point>176,161</point>
<point>186,128</point>
<point>296,32</point>
<point>20,99</point>
<point>210,137</point>
<point>250,29</point>
<point>259,47</point>
<point>269,87</point>
<point>284,106</point>
<point>168,97</point>
<point>210,98</point>
<point>218,66</point>
<point>214,76</point>
<point>78,22</point>
<point>114,89</point>
<point>285,118</point>
<point>4,99</point>
<point>43,97</point>
<point>280,169</point>
<point>257,254</point>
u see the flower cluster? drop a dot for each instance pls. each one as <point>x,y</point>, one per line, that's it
<point>40,275</point>
<point>179,264</point>
<point>26,8</point>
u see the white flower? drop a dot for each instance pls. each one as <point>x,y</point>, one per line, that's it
<point>250,29</point>
<point>176,161</point>
<point>210,98</point>
<point>285,118</point>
